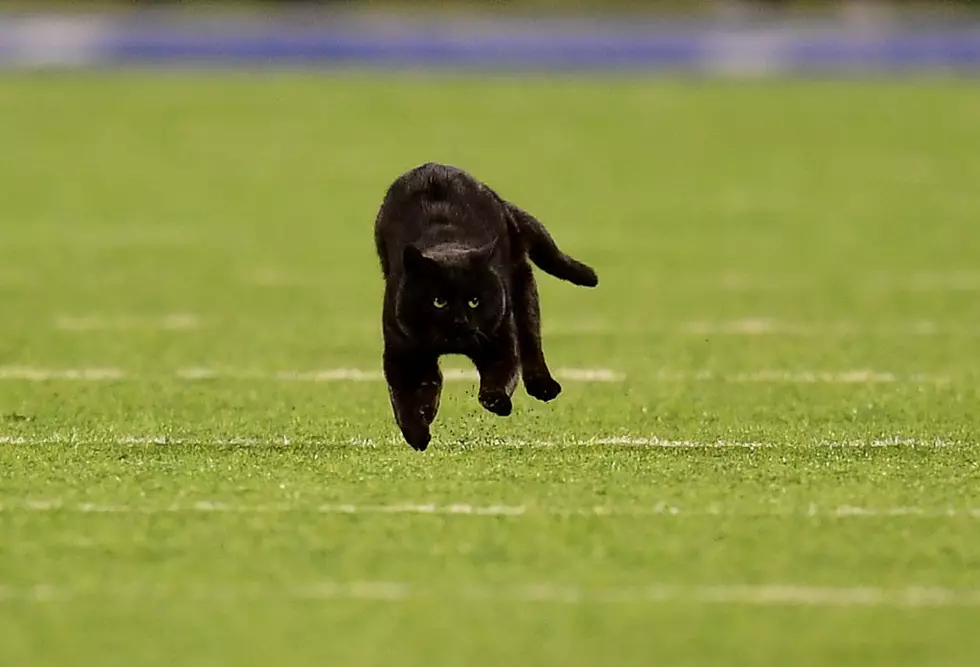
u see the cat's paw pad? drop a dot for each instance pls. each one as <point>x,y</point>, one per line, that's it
<point>418,438</point>
<point>542,387</point>
<point>496,402</point>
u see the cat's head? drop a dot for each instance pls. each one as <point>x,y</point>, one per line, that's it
<point>450,297</point>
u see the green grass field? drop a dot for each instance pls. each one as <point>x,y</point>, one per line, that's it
<point>767,448</point>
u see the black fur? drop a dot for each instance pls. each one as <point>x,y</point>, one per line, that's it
<point>458,281</point>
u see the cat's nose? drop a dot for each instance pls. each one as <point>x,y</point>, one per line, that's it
<point>460,327</point>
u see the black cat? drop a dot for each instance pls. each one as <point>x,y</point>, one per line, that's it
<point>458,281</point>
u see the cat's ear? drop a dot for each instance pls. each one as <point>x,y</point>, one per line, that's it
<point>416,263</point>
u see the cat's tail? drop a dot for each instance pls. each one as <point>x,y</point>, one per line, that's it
<point>544,252</point>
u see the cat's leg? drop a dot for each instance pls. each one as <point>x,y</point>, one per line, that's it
<point>429,394</point>
<point>414,387</point>
<point>527,314</point>
<point>498,365</point>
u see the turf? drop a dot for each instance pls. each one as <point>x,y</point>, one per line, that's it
<point>789,296</point>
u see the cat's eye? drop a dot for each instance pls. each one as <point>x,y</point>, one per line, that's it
<point>439,303</point>
<point>473,303</point>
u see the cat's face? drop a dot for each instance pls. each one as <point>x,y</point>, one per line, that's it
<point>451,300</point>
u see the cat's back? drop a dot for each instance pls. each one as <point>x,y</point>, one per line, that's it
<point>436,202</point>
<point>428,186</point>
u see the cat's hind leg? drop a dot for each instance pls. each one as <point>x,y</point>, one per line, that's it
<point>414,387</point>
<point>538,381</point>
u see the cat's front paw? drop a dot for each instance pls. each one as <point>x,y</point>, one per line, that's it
<point>496,402</point>
<point>542,387</point>
<point>417,438</point>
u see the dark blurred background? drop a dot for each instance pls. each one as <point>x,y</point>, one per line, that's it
<point>716,36</point>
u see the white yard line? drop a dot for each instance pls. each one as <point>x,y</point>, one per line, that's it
<point>830,377</point>
<point>748,326</point>
<point>767,595</point>
<point>38,374</point>
<point>739,282</point>
<point>588,375</point>
<point>893,441</point>
<point>651,442</point>
<point>856,376</point>
<point>761,326</point>
<point>33,374</point>
<point>660,509</point>
<point>360,375</point>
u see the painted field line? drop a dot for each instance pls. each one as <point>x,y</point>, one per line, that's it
<point>590,375</point>
<point>95,322</point>
<point>598,441</point>
<point>33,374</point>
<point>893,441</point>
<point>661,509</point>
<point>749,326</point>
<point>858,376</point>
<point>762,326</point>
<point>651,442</point>
<point>951,281</point>
<point>359,375</point>
<point>37,374</point>
<point>768,595</point>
